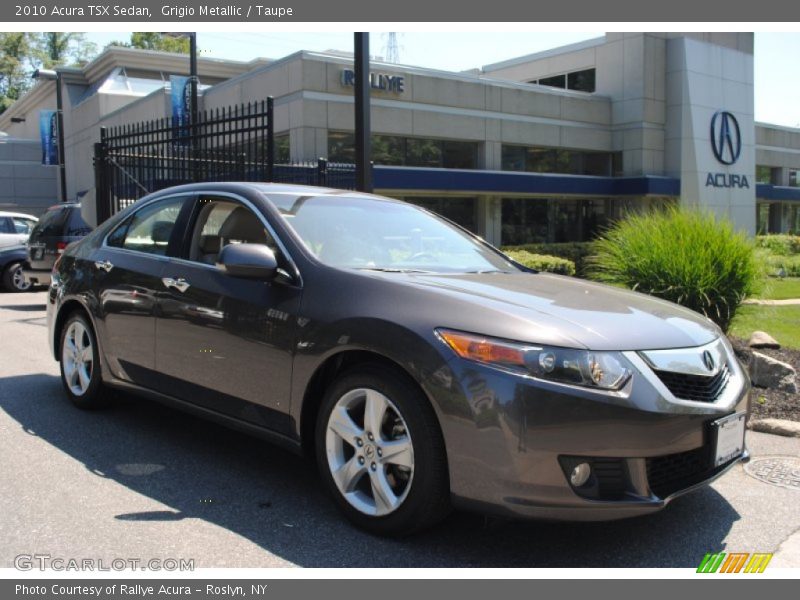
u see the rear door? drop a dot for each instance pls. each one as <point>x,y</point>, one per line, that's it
<point>223,342</point>
<point>126,271</point>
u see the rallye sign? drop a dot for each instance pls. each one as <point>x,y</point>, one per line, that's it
<point>377,81</point>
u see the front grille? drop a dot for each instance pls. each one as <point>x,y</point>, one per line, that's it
<point>700,388</point>
<point>674,472</point>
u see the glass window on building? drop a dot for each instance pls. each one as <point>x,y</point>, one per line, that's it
<point>762,218</point>
<point>559,81</point>
<point>462,211</point>
<point>281,148</point>
<point>763,174</point>
<point>558,160</point>
<point>525,221</point>
<point>540,220</point>
<point>406,151</point>
<point>581,81</point>
<point>794,178</point>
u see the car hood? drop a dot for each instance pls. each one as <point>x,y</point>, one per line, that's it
<point>565,311</point>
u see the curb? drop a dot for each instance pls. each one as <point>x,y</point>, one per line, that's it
<point>782,427</point>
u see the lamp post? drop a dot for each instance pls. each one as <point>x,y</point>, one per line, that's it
<point>363,145</point>
<point>56,76</point>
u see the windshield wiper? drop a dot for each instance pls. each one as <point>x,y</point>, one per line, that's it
<point>392,270</point>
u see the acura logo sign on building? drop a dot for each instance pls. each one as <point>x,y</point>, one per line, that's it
<point>726,144</point>
<point>726,137</point>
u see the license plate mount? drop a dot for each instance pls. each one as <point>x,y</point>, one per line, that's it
<point>728,437</point>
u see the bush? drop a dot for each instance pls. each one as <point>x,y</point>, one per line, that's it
<point>576,252</point>
<point>542,262</point>
<point>783,245</point>
<point>680,255</point>
<point>785,266</point>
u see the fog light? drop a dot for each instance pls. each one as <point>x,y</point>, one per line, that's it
<point>580,474</point>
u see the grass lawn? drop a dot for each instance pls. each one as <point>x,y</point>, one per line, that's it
<point>781,322</point>
<point>780,289</point>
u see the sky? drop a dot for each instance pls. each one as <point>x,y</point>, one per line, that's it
<point>777,86</point>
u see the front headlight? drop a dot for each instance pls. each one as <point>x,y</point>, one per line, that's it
<point>603,370</point>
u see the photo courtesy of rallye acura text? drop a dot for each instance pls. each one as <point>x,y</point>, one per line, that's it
<point>422,367</point>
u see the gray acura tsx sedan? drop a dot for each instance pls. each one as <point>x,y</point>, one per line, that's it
<point>421,367</point>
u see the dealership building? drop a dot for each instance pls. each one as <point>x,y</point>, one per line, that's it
<point>547,147</point>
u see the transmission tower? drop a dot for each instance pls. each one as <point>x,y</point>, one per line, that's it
<point>391,50</point>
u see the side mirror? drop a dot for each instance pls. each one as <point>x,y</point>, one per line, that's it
<point>248,261</point>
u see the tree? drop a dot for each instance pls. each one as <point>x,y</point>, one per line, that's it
<point>59,48</point>
<point>152,40</point>
<point>22,53</point>
<point>14,57</point>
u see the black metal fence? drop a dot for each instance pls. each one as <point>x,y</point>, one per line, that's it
<point>236,143</point>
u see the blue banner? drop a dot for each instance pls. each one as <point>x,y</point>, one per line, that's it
<point>48,130</point>
<point>181,107</point>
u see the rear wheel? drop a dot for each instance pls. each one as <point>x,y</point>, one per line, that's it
<point>381,454</point>
<point>80,363</point>
<point>13,281</point>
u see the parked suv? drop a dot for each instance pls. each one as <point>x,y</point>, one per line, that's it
<point>57,228</point>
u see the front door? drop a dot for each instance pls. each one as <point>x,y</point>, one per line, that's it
<point>222,342</point>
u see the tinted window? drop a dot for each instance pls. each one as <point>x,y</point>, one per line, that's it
<point>76,225</point>
<point>51,224</point>
<point>221,222</point>
<point>380,234</point>
<point>149,229</point>
<point>6,225</point>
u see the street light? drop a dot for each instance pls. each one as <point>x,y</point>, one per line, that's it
<point>52,75</point>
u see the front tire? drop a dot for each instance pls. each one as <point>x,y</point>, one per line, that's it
<point>13,281</point>
<point>80,363</point>
<point>381,453</point>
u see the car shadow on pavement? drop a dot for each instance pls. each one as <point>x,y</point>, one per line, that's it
<point>273,498</point>
<point>26,307</point>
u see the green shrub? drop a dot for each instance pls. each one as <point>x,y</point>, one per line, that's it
<point>785,266</point>
<point>542,262</point>
<point>784,245</point>
<point>576,252</point>
<point>680,255</point>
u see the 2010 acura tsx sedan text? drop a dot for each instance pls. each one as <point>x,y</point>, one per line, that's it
<point>421,366</point>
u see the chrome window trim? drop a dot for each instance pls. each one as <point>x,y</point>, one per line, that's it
<point>297,278</point>
<point>142,207</point>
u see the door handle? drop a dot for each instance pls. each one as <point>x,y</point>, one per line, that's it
<point>104,265</point>
<point>179,284</point>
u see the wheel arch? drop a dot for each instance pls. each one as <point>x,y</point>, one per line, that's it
<point>328,371</point>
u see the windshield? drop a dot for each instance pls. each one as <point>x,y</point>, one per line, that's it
<point>382,234</point>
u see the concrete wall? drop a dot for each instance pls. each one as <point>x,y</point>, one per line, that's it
<point>25,184</point>
<point>703,79</point>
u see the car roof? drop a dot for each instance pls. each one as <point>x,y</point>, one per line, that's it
<point>269,188</point>
<point>7,213</point>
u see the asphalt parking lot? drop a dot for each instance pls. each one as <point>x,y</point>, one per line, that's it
<point>142,481</point>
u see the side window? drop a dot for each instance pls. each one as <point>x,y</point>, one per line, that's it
<point>23,225</point>
<point>149,229</point>
<point>220,222</point>
<point>5,225</point>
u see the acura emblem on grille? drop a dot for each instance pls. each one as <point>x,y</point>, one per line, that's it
<point>708,360</point>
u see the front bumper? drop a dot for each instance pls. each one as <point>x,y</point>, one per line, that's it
<point>510,439</point>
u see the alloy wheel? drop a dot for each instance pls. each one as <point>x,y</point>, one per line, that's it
<point>18,281</point>
<point>370,452</point>
<point>77,356</point>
